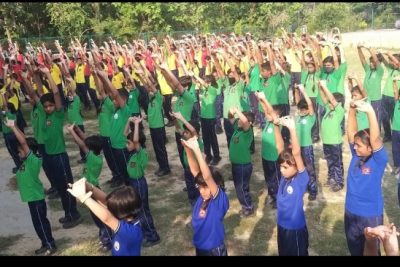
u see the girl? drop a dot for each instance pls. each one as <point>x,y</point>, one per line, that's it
<point>358,93</point>
<point>364,200</point>
<point>211,206</point>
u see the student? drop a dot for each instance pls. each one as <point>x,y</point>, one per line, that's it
<point>304,124</point>
<point>358,93</point>
<point>136,166</point>
<point>31,189</point>
<point>240,157</point>
<point>331,134</point>
<point>118,210</point>
<point>291,221</point>
<point>269,152</point>
<point>92,146</point>
<point>396,132</point>
<point>211,205</point>
<point>364,200</point>
<point>386,234</point>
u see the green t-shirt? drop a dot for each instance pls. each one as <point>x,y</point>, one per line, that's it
<point>193,92</point>
<point>239,147</point>
<point>155,111</point>
<point>74,111</point>
<point>232,95</point>
<point>8,116</point>
<point>54,136</point>
<point>118,122</point>
<point>388,89</point>
<point>92,169</point>
<point>270,88</point>
<point>268,142</point>
<point>283,89</point>
<point>207,97</point>
<point>244,99</point>
<point>38,118</point>
<point>396,117</point>
<point>310,82</point>
<point>254,76</point>
<point>304,125</point>
<point>29,185</point>
<point>137,164</point>
<point>332,79</point>
<point>185,159</point>
<point>372,81</point>
<point>184,105</point>
<point>362,120</point>
<point>331,132</point>
<point>105,116</point>
<point>220,83</point>
<point>133,101</point>
<point>342,71</point>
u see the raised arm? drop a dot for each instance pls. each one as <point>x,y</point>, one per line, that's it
<point>53,88</point>
<point>242,118</point>
<point>352,126</point>
<point>28,86</point>
<point>374,133</point>
<point>110,89</point>
<point>193,164</point>
<point>19,135</point>
<point>296,151</point>
<point>326,95</point>
<point>191,129</point>
<point>77,138</point>
<point>361,54</point>
<point>265,104</point>
<point>307,98</point>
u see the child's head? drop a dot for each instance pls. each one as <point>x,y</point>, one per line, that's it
<point>131,146</point>
<point>210,80</point>
<point>186,81</point>
<point>124,203</point>
<point>356,93</point>
<point>48,103</point>
<point>328,64</point>
<point>339,99</point>
<point>266,71</point>
<point>11,108</point>
<point>362,143</point>
<point>311,67</point>
<point>186,133</point>
<point>302,107</point>
<point>94,143</point>
<point>287,164</point>
<point>123,94</point>
<point>277,110</point>
<point>204,190</point>
<point>231,76</point>
<point>250,117</point>
<point>33,146</point>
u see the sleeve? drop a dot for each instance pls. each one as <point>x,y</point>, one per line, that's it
<point>380,70</point>
<point>353,152</point>
<point>144,158</point>
<point>366,67</point>
<point>34,162</point>
<point>59,114</point>
<point>187,96</point>
<point>303,177</point>
<point>313,118</point>
<point>340,110</point>
<point>380,156</point>
<point>222,202</point>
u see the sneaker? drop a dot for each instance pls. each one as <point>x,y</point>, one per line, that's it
<point>72,223</point>
<point>116,183</point>
<point>315,139</point>
<point>105,248</point>
<point>14,170</point>
<point>312,197</point>
<point>209,159</point>
<point>169,124</point>
<point>396,171</point>
<point>215,161</point>
<point>218,129</point>
<point>184,189</point>
<point>63,220</point>
<point>50,251</point>
<point>387,139</point>
<point>336,187</point>
<point>81,161</point>
<point>53,195</point>
<point>330,182</point>
<point>41,250</point>
<point>273,204</point>
<point>148,243</point>
<point>163,173</point>
<point>246,213</point>
<point>51,190</point>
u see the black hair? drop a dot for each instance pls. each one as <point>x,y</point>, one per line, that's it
<point>124,202</point>
<point>123,93</point>
<point>249,115</point>
<point>356,89</point>
<point>11,107</point>
<point>211,79</point>
<point>142,136</point>
<point>32,144</point>
<point>49,97</point>
<point>302,104</point>
<point>328,59</point>
<point>278,108</point>
<point>338,97</point>
<point>266,66</point>
<point>186,81</point>
<point>94,143</point>
<point>218,179</point>
<point>364,136</point>
<point>195,124</point>
<point>237,69</point>
<point>286,156</point>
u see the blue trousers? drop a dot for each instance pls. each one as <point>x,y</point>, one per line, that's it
<point>196,112</point>
<point>218,108</point>
<point>308,156</point>
<point>315,128</point>
<point>158,139</point>
<point>388,104</point>
<point>377,106</point>
<point>272,176</point>
<point>179,145</point>
<point>109,156</point>
<point>396,148</point>
<point>82,92</point>
<point>241,174</point>
<point>60,172</point>
<point>354,228</point>
<point>38,210</point>
<point>12,146</point>
<point>146,220</point>
<point>218,251</point>
<point>292,242</point>
<point>333,156</point>
<point>42,154</point>
<point>121,157</point>
<point>209,137</point>
<point>228,127</point>
<point>192,191</point>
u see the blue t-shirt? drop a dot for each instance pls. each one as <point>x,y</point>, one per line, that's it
<point>290,202</point>
<point>364,185</point>
<point>127,239</point>
<point>209,231</point>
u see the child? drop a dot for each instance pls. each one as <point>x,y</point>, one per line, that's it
<point>331,134</point>
<point>92,146</point>
<point>291,221</point>
<point>358,93</point>
<point>240,157</point>
<point>31,189</point>
<point>210,207</point>
<point>137,163</point>
<point>269,153</point>
<point>396,132</point>
<point>364,200</point>
<point>118,210</point>
<point>189,130</point>
<point>304,124</point>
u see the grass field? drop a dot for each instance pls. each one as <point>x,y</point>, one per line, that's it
<point>171,210</point>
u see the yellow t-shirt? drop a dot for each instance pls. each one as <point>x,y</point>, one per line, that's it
<point>121,61</point>
<point>294,63</point>
<point>244,64</point>
<point>92,84</point>
<point>171,61</point>
<point>80,73</point>
<point>164,86</point>
<point>117,80</point>
<point>55,73</point>
<point>325,52</point>
<point>15,101</point>
<point>45,90</point>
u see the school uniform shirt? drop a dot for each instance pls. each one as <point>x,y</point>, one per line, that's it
<point>292,59</point>
<point>117,127</point>
<point>92,169</point>
<point>55,73</point>
<point>362,120</point>
<point>268,142</point>
<point>244,99</point>
<point>38,119</point>
<point>79,73</point>
<point>310,82</point>
<point>304,125</point>
<point>270,88</point>
<point>290,213</point>
<point>185,159</point>
<point>137,164</point>
<point>239,148</point>
<point>372,81</point>
<point>106,112</point>
<point>332,79</point>
<point>117,80</point>
<point>29,185</point>
<point>343,71</point>
<point>364,184</point>
<point>283,89</point>
<point>193,92</point>
<point>133,101</point>
<point>331,132</point>
<point>207,98</point>
<point>54,136</point>
<point>127,239</point>
<point>388,89</point>
<point>92,84</point>
<point>164,86</point>
<point>208,230</point>
<point>9,116</point>
<point>396,117</point>
<point>184,105</point>
<point>74,111</point>
<point>155,111</point>
<point>232,95</point>
<point>15,101</point>
<point>254,77</point>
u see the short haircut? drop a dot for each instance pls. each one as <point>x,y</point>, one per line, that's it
<point>328,59</point>
<point>32,144</point>
<point>286,156</point>
<point>94,143</point>
<point>302,104</point>
<point>195,124</point>
<point>49,97</point>
<point>124,202</point>
<point>217,176</point>
<point>338,97</point>
<point>249,115</point>
<point>123,93</point>
<point>266,66</point>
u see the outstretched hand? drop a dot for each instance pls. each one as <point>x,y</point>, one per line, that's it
<point>78,190</point>
<point>363,106</point>
<point>191,143</point>
<point>288,122</point>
